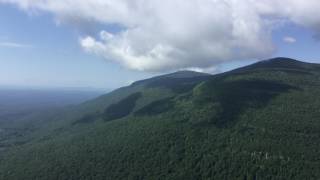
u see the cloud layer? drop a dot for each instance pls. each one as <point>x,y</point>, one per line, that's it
<point>289,40</point>
<point>14,45</point>
<point>163,35</point>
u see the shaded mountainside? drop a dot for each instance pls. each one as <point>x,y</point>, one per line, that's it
<point>257,122</point>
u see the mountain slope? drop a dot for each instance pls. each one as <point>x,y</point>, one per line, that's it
<point>257,122</point>
<point>46,122</point>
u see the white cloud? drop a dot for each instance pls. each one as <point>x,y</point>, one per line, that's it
<point>161,35</point>
<point>14,45</point>
<point>289,40</point>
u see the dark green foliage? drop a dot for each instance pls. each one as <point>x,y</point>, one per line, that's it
<point>178,85</point>
<point>156,107</point>
<point>89,118</point>
<point>281,64</point>
<point>122,108</point>
<point>178,82</point>
<point>258,122</point>
<point>235,97</point>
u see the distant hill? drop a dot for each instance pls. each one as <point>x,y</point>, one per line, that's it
<point>22,109</point>
<point>19,102</point>
<point>261,121</point>
<point>30,98</point>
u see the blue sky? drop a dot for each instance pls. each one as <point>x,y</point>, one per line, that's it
<point>36,51</point>
<point>51,56</point>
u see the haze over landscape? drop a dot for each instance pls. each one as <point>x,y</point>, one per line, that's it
<point>159,89</point>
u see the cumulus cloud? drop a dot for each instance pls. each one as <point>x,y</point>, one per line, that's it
<point>289,40</point>
<point>162,35</point>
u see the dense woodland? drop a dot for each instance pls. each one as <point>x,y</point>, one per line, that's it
<point>257,122</point>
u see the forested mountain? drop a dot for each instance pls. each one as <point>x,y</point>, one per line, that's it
<point>257,122</point>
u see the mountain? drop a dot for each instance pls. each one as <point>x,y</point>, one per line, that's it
<point>283,64</point>
<point>261,121</point>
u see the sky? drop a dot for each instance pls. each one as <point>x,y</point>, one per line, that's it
<point>108,44</point>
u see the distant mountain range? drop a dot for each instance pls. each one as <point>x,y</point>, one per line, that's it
<point>261,121</point>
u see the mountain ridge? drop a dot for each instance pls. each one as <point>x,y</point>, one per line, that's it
<point>241,124</point>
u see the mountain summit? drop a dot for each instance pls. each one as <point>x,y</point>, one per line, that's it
<point>280,63</point>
